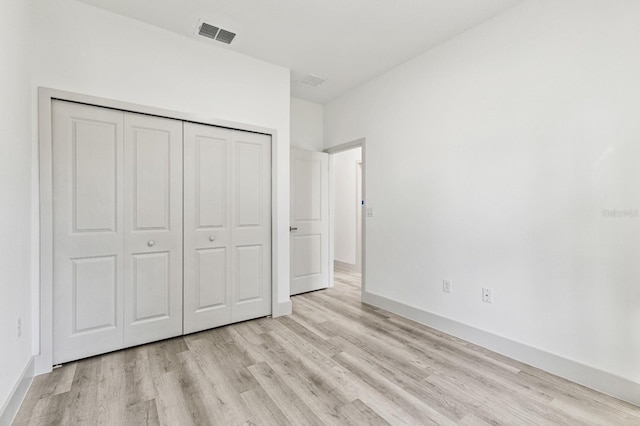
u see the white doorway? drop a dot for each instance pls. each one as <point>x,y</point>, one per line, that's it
<point>347,223</point>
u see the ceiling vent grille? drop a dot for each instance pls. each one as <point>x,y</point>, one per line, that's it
<point>215,33</point>
<point>207,30</point>
<point>225,36</point>
<point>311,80</point>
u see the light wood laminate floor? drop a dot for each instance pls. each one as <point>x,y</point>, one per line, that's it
<point>334,361</point>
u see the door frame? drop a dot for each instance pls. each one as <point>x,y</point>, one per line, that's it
<point>44,350</point>
<point>359,199</point>
<point>358,143</point>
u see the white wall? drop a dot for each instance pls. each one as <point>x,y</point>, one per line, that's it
<point>490,160</point>
<point>345,205</point>
<point>87,50</point>
<point>306,125</point>
<point>15,187</point>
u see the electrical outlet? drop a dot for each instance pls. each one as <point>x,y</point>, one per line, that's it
<point>446,286</point>
<point>487,295</point>
<point>19,327</point>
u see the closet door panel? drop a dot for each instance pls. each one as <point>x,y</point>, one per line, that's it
<point>151,185</point>
<point>211,182</point>
<point>249,274</point>
<point>251,223</point>
<point>94,293</point>
<point>211,268</point>
<point>153,228</point>
<point>87,148</point>
<point>207,236</point>
<point>151,286</point>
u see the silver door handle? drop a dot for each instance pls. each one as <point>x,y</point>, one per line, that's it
<point>151,243</point>
<point>292,228</point>
<point>212,238</point>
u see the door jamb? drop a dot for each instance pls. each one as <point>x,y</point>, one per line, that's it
<point>333,150</point>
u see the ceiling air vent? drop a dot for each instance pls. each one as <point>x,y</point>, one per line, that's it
<point>311,80</point>
<point>225,36</point>
<point>215,33</point>
<point>207,30</point>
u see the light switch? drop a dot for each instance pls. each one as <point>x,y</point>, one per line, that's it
<point>369,211</point>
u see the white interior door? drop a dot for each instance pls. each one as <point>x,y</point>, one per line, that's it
<point>88,200</point>
<point>227,223</point>
<point>309,221</point>
<point>153,228</point>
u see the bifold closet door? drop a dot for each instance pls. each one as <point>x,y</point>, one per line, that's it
<point>88,231</point>
<point>227,226</point>
<point>251,225</point>
<point>117,237</point>
<point>153,228</point>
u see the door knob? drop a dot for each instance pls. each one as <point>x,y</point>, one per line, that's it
<point>212,238</point>
<point>151,243</point>
<point>292,228</point>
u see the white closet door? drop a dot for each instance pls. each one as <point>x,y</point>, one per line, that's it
<point>207,228</point>
<point>251,225</point>
<point>87,230</point>
<point>227,226</point>
<point>153,228</point>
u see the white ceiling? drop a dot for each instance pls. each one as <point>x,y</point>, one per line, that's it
<point>345,41</point>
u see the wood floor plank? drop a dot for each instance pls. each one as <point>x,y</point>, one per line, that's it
<point>358,413</point>
<point>307,376</point>
<point>409,378</point>
<point>171,404</point>
<point>471,420</point>
<point>111,397</point>
<point>418,409</point>
<point>162,355</point>
<point>219,386</point>
<point>329,374</point>
<point>144,413</point>
<point>308,331</point>
<point>285,398</point>
<point>264,409</point>
<point>231,359</point>
<point>559,387</point>
<point>43,388</point>
<point>47,411</point>
<point>138,377</point>
<point>334,361</point>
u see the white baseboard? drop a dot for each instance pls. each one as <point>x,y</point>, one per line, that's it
<point>345,266</point>
<point>19,391</point>
<point>283,308</point>
<point>585,375</point>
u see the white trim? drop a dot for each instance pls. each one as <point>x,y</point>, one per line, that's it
<point>44,360</point>
<point>345,266</point>
<point>17,394</point>
<point>359,207</point>
<point>332,219</point>
<point>280,309</point>
<point>346,146</point>
<point>585,375</point>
